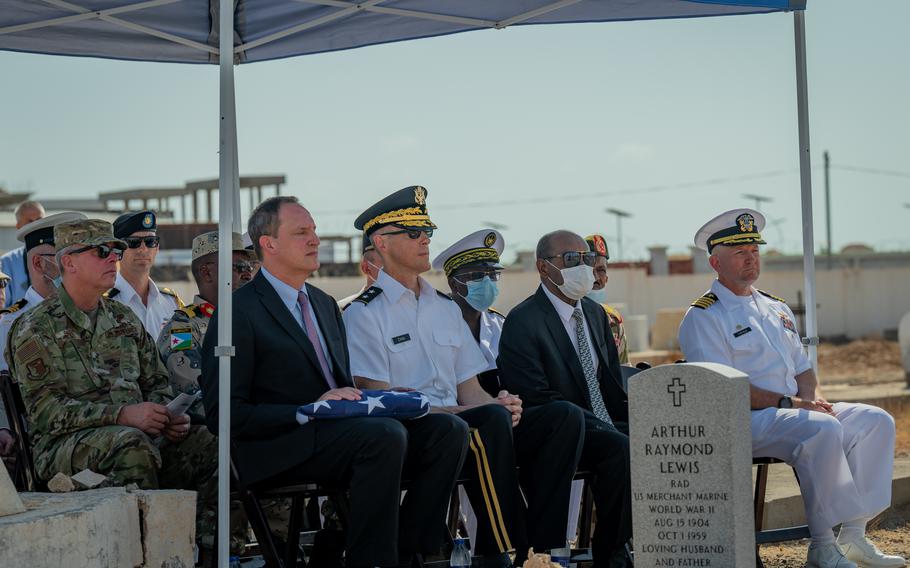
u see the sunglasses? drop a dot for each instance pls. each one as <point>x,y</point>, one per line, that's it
<point>103,251</point>
<point>135,242</point>
<point>411,233</point>
<point>242,266</point>
<point>573,258</point>
<point>465,277</point>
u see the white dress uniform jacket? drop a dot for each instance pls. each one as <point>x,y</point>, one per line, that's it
<point>844,461</point>
<point>159,310</point>
<point>420,343</point>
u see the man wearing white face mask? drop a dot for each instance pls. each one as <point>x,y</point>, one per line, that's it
<point>370,265</point>
<point>557,346</point>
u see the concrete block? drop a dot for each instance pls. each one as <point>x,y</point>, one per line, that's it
<point>664,333</point>
<point>10,503</point>
<point>88,479</point>
<point>88,528</point>
<point>61,483</point>
<point>168,521</point>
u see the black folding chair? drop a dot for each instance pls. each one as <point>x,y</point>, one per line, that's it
<point>250,497</point>
<point>23,474</point>
<point>769,536</point>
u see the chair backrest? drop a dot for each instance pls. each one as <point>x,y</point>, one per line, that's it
<point>23,476</point>
<point>627,373</point>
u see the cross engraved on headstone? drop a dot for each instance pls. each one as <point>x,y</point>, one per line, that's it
<point>676,388</point>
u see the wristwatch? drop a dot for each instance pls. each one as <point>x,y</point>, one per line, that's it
<point>785,402</point>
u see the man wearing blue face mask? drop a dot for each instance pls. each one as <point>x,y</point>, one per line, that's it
<point>473,269</point>
<point>598,245</point>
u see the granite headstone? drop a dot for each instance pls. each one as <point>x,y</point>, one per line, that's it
<point>691,467</point>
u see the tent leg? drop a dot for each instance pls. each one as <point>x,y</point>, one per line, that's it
<point>805,179</point>
<point>227,166</point>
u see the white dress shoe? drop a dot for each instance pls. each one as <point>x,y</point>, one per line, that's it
<point>867,555</point>
<point>827,556</point>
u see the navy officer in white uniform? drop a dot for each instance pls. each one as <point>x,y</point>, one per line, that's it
<point>402,332</point>
<point>843,452</point>
<point>134,286</point>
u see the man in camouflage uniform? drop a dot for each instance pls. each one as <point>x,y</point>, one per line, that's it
<point>94,387</point>
<point>181,337</point>
<point>598,245</point>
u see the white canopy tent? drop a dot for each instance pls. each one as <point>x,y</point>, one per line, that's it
<point>230,32</point>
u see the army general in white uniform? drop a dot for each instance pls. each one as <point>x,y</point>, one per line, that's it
<point>843,453</point>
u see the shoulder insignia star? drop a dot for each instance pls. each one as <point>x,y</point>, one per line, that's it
<point>371,294</point>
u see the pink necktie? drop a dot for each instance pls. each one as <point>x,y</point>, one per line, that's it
<point>310,326</point>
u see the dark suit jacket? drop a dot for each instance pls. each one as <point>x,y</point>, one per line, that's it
<point>537,361</point>
<point>275,370</point>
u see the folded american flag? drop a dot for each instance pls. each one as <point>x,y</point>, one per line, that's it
<point>381,403</point>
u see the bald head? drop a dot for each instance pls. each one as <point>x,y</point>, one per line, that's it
<point>28,211</point>
<point>558,242</point>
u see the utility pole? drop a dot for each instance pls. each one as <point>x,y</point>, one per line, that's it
<point>759,199</point>
<point>619,215</point>
<point>828,205</point>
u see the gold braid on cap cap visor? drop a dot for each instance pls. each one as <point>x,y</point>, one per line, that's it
<point>414,216</point>
<point>739,238</point>
<point>469,256</point>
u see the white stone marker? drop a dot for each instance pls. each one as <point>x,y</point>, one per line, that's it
<point>10,503</point>
<point>691,467</point>
<point>903,336</point>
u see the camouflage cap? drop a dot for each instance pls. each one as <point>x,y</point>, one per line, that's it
<point>207,243</point>
<point>88,232</point>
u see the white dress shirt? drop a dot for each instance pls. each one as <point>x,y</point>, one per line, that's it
<point>565,311</point>
<point>490,331</point>
<point>421,343</point>
<point>288,295</point>
<point>153,316</point>
<point>755,334</point>
<point>32,299</point>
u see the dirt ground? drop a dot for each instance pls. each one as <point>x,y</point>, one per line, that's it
<point>862,361</point>
<point>890,532</point>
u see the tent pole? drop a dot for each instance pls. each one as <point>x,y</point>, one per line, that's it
<point>227,165</point>
<point>805,179</point>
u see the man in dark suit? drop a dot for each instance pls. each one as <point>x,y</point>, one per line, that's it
<point>557,345</point>
<point>291,350</point>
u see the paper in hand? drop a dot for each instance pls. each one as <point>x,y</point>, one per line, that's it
<point>182,403</point>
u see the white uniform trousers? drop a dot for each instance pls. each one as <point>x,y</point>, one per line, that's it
<point>844,462</point>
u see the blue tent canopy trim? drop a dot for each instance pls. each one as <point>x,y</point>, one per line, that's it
<point>186,31</point>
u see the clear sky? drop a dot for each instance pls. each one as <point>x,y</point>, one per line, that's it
<point>534,128</point>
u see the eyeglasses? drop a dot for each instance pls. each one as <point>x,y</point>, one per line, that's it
<point>465,277</point>
<point>573,258</point>
<point>103,251</point>
<point>134,242</point>
<point>242,266</point>
<point>411,233</point>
